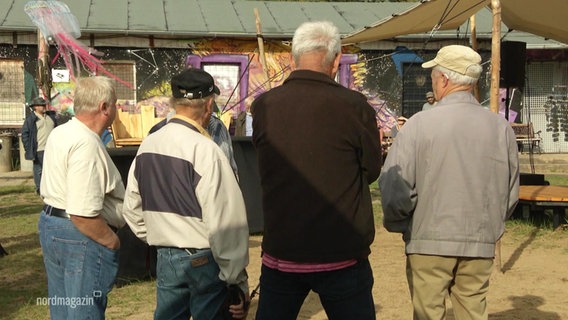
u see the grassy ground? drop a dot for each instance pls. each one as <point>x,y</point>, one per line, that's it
<point>23,280</point>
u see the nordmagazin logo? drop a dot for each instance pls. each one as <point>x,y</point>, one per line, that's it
<point>71,302</point>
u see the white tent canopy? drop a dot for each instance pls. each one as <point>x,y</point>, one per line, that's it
<point>542,18</point>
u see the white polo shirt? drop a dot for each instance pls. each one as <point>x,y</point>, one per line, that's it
<point>79,175</point>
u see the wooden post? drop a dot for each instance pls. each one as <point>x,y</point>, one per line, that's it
<point>473,32</point>
<point>495,55</point>
<point>261,46</point>
<point>43,66</point>
<point>494,93</point>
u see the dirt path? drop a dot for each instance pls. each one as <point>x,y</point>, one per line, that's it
<point>533,284</point>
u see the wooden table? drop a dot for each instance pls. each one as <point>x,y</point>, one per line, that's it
<point>546,197</point>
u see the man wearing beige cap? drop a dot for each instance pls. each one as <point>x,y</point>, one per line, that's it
<point>449,191</point>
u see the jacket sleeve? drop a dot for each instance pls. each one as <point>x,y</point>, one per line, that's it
<point>26,134</point>
<point>371,158</point>
<point>397,185</point>
<point>132,207</point>
<point>224,213</point>
<point>514,174</point>
<point>53,117</point>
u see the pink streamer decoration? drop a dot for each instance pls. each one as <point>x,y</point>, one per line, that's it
<point>59,25</point>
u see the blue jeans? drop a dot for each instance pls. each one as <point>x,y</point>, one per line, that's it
<point>80,272</point>
<point>344,294</point>
<point>188,285</point>
<point>37,168</point>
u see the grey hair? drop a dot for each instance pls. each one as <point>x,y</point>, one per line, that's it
<point>320,36</point>
<point>91,91</point>
<point>192,103</point>
<point>458,78</point>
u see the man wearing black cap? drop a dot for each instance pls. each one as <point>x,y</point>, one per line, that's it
<point>183,197</point>
<point>36,129</point>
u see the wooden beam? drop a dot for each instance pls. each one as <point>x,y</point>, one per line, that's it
<point>494,93</point>
<point>261,46</point>
<point>495,55</point>
<point>473,32</point>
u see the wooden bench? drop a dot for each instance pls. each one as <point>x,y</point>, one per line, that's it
<point>525,135</point>
<point>545,197</point>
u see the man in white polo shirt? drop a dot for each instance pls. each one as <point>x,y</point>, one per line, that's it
<point>83,193</point>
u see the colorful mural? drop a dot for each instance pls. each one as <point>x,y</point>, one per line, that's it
<point>278,58</point>
<point>154,69</point>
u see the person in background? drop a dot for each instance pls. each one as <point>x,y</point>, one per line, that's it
<point>400,121</point>
<point>216,129</point>
<point>449,192</point>
<point>220,134</point>
<point>37,127</point>
<point>183,197</point>
<point>244,121</point>
<point>318,150</point>
<point>83,192</point>
<point>430,101</point>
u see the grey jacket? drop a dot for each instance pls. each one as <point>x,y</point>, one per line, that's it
<point>451,179</point>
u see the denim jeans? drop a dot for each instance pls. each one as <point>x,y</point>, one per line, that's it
<point>188,285</point>
<point>37,168</point>
<point>80,272</point>
<point>344,294</point>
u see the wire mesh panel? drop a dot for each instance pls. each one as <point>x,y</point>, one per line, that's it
<point>12,97</point>
<point>416,82</point>
<point>125,71</point>
<point>227,79</point>
<point>546,104</point>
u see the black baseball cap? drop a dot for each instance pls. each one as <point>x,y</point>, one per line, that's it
<point>39,101</point>
<point>193,84</point>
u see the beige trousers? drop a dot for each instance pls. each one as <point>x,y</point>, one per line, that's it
<point>432,278</point>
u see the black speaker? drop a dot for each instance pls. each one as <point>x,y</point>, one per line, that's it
<point>513,60</point>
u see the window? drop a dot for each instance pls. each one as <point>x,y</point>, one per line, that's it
<point>231,76</point>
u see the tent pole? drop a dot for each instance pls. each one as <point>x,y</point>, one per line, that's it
<point>261,53</point>
<point>494,98</point>
<point>43,66</point>
<point>473,32</point>
<point>495,55</point>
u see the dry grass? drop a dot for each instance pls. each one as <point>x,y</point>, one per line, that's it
<point>23,280</point>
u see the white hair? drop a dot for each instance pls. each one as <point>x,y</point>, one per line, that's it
<point>458,78</point>
<point>90,92</point>
<point>320,36</point>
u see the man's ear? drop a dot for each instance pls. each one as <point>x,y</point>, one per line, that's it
<point>209,104</point>
<point>104,108</point>
<point>292,63</point>
<point>335,66</point>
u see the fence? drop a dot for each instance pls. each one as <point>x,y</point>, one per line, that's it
<point>545,104</point>
<point>12,100</point>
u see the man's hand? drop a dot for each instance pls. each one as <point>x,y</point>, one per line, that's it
<point>240,311</point>
<point>237,303</point>
<point>97,229</point>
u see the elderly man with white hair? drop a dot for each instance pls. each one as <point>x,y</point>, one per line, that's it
<point>318,149</point>
<point>83,193</point>
<point>449,191</point>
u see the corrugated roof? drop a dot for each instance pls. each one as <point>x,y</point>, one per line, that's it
<point>227,18</point>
